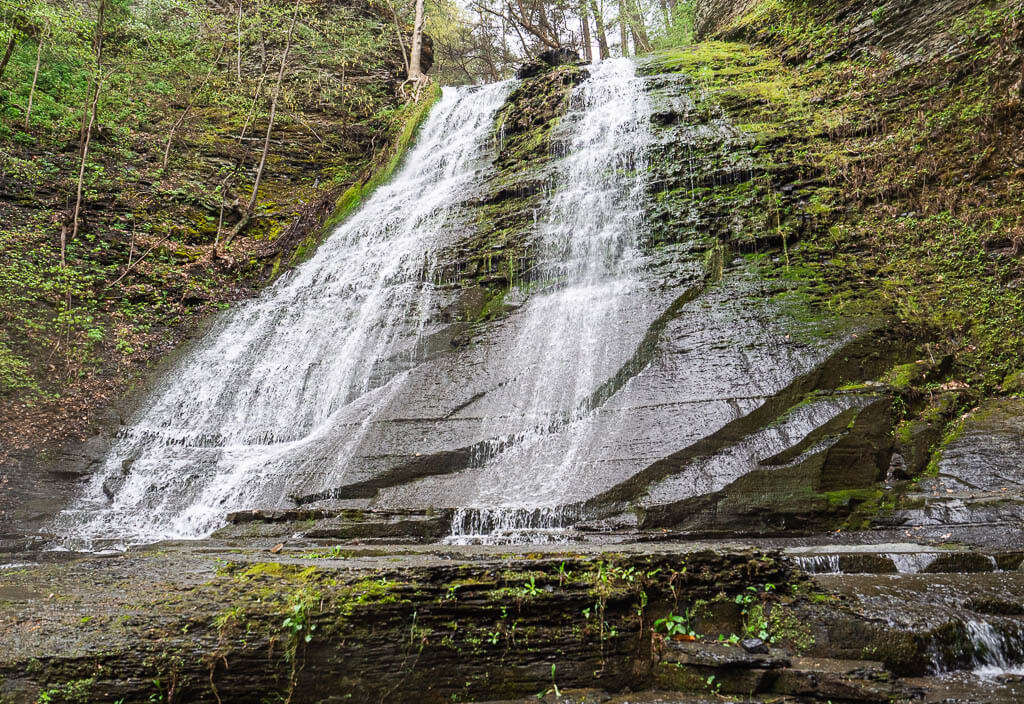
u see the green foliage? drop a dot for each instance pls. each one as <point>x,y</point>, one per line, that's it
<point>675,625</point>
<point>680,30</point>
<point>14,373</point>
<point>408,121</point>
<point>553,689</point>
<point>530,588</point>
<point>140,269</point>
<point>753,606</point>
<point>912,215</point>
<point>73,692</point>
<point>299,623</point>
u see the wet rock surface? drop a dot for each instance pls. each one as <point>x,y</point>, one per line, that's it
<point>731,406</point>
<point>987,452</point>
<point>206,622</point>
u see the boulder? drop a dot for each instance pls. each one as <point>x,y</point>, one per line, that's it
<point>547,59</point>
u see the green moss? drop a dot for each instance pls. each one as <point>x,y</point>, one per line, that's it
<point>905,375</point>
<point>365,592</point>
<point>1013,383</point>
<point>784,625</point>
<point>882,154</point>
<point>277,570</point>
<point>494,304</point>
<point>72,692</point>
<point>411,118</point>
<point>952,431</point>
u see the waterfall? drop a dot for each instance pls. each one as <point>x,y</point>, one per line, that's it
<point>587,262</point>
<point>290,394</point>
<point>996,651</point>
<point>275,398</point>
<point>819,564</point>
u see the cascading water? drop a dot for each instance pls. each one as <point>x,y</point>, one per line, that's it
<point>587,261</point>
<point>275,402</point>
<point>996,652</point>
<point>274,399</point>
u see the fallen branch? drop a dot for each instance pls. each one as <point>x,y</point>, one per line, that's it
<point>270,128</point>
<point>132,266</point>
<point>184,113</point>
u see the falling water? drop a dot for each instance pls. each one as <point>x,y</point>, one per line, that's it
<point>819,564</point>
<point>274,400</point>
<point>995,651</point>
<point>587,263</point>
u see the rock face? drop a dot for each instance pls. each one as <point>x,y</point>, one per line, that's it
<point>975,484</point>
<point>351,623</point>
<point>728,397</point>
<point>709,400</point>
<point>702,373</point>
<point>712,15</point>
<point>546,59</point>
<point>987,453</point>
<point>737,400</point>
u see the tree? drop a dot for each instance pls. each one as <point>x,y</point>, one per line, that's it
<point>588,52</point>
<point>7,54</point>
<point>468,45</point>
<point>416,76</point>
<point>90,111</point>
<point>623,31</point>
<point>15,20</point>
<point>635,15</point>
<point>35,76</point>
<point>238,42</point>
<point>251,206</point>
<point>192,101</point>
<point>602,37</point>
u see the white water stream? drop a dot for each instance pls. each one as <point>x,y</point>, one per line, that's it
<point>274,399</point>
<point>996,652</point>
<point>587,262</point>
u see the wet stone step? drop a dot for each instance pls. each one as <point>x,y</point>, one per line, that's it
<point>726,670</point>
<point>338,524</point>
<point>590,696</point>
<point>904,559</point>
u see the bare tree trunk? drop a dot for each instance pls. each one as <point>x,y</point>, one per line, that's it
<point>588,50</point>
<point>270,128</point>
<point>623,31</point>
<point>238,42</point>
<point>184,113</point>
<point>88,135</point>
<point>416,53</point>
<point>485,40</point>
<point>638,24</point>
<point>35,79</point>
<point>398,36</point>
<point>547,27</point>
<point>229,179</point>
<point>637,44</point>
<point>522,39</point>
<point>85,115</point>
<point>263,40</point>
<point>7,54</point>
<point>602,37</point>
<point>252,108</point>
<point>665,14</point>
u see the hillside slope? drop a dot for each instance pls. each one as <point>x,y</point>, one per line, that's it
<point>154,253</point>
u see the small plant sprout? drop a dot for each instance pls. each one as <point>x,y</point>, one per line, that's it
<point>674,625</point>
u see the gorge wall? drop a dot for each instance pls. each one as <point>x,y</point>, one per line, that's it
<point>819,353</point>
<point>794,337</point>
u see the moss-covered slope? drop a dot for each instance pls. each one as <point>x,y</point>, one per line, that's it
<point>887,139</point>
<point>153,256</point>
